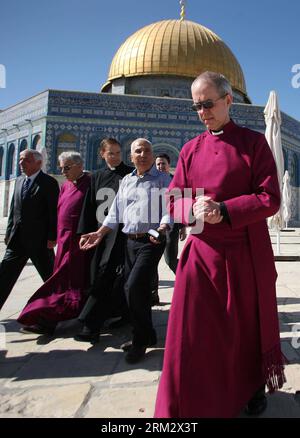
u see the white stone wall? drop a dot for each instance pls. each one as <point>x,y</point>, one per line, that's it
<point>6,193</point>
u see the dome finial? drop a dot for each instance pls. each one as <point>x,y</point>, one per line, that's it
<point>182,10</point>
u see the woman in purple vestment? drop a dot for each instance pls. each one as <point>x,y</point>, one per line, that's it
<point>62,296</point>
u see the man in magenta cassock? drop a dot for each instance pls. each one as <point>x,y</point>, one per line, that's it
<point>223,343</point>
<point>63,295</point>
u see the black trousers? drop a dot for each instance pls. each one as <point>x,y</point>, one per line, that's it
<point>171,251</point>
<point>106,295</point>
<point>14,260</point>
<point>106,299</point>
<point>141,261</point>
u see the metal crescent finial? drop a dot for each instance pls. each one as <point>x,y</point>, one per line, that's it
<point>182,9</point>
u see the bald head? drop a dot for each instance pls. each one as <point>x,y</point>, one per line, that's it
<point>212,96</point>
<point>140,141</point>
<point>142,155</point>
<point>217,80</point>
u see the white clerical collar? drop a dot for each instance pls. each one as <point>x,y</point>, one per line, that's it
<point>217,132</point>
<point>76,180</point>
<point>110,167</point>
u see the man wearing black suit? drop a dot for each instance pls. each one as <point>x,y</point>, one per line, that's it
<point>106,298</point>
<point>32,222</point>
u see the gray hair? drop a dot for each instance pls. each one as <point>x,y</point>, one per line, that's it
<point>71,155</point>
<point>140,140</point>
<point>36,154</point>
<point>219,81</point>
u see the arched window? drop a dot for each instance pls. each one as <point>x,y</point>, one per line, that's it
<point>36,142</point>
<point>93,159</point>
<point>294,171</point>
<point>23,146</point>
<point>11,160</point>
<point>65,142</point>
<point>1,160</point>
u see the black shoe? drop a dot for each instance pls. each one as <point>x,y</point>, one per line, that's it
<point>127,345</point>
<point>38,329</point>
<point>135,354</point>
<point>86,335</point>
<point>258,403</point>
<point>155,298</point>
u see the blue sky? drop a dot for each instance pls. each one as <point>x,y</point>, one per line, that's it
<point>69,44</point>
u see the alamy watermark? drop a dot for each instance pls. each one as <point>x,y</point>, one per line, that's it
<point>296,336</point>
<point>2,76</point>
<point>141,206</point>
<point>296,78</point>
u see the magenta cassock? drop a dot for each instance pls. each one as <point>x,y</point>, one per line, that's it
<point>223,337</point>
<point>62,296</point>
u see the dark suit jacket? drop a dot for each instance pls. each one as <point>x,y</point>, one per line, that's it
<point>33,221</point>
<point>88,222</point>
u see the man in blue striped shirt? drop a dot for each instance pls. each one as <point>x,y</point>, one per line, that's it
<point>140,206</point>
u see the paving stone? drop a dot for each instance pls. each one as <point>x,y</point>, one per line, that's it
<point>147,370</point>
<point>135,402</point>
<point>59,377</point>
<point>57,401</point>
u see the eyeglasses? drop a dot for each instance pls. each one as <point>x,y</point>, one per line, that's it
<point>207,104</point>
<point>66,168</point>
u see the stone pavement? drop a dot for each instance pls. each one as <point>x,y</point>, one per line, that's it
<point>52,377</point>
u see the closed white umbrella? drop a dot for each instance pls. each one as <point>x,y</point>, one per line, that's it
<point>273,136</point>
<point>286,198</point>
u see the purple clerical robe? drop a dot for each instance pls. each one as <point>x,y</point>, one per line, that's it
<point>222,340</point>
<point>62,296</point>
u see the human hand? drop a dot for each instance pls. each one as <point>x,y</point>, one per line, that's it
<point>200,206</point>
<point>213,217</point>
<point>212,212</point>
<point>208,210</point>
<point>182,234</point>
<point>162,229</point>
<point>90,240</point>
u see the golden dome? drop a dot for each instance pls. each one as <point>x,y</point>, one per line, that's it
<point>177,48</point>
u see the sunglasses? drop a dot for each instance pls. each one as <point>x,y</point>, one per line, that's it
<point>67,168</point>
<point>207,104</point>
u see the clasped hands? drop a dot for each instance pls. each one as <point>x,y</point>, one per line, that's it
<point>206,209</point>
